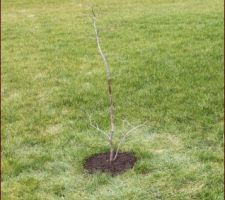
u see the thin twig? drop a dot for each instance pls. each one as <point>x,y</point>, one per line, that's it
<point>128,122</point>
<point>107,69</point>
<point>97,128</point>
<point>124,136</point>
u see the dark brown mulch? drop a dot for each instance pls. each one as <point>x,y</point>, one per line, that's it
<point>100,162</point>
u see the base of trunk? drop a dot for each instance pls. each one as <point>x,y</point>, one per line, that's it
<point>100,162</point>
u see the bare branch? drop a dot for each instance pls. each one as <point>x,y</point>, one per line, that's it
<point>97,128</point>
<point>107,69</point>
<point>124,137</point>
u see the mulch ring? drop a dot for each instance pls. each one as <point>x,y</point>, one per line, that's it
<point>100,162</point>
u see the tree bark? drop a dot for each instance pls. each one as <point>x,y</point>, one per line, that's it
<point>109,81</point>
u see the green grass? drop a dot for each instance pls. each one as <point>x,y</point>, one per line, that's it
<point>166,58</point>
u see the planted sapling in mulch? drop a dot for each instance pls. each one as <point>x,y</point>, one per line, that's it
<point>113,161</point>
<point>101,162</point>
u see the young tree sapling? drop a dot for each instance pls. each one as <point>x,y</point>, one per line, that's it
<point>109,135</point>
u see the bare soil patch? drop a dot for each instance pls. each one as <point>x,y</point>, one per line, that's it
<point>100,162</point>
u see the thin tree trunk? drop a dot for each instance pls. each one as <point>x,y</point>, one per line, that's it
<point>107,69</point>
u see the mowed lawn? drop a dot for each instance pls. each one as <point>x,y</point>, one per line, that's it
<point>166,58</point>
